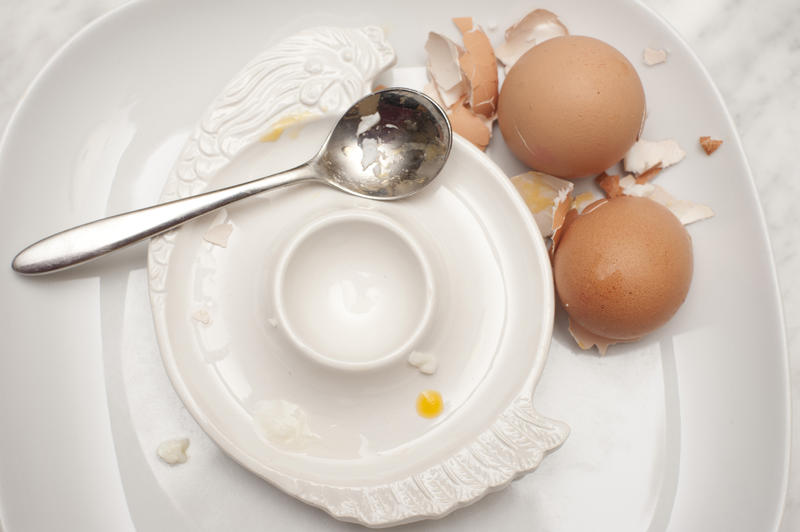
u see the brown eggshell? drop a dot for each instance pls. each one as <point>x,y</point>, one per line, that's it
<point>623,267</point>
<point>571,106</point>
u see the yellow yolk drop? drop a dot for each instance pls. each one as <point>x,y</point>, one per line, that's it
<point>429,403</point>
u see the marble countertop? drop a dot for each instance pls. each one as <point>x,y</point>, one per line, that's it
<point>750,48</point>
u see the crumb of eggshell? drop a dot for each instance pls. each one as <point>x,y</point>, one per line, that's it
<point>479,67</point>
<point>379,87</point>
<point>649,174</point>
<point>646,154</point>
<point>475,128</point>
<point>710,145</point>
<point>173,452</point>
<point>609,184</point>
<point>219,234</point>
<point>534,28</point>
<point>653,56</point>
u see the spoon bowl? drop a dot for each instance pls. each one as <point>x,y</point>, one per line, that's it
<point>387,146</point>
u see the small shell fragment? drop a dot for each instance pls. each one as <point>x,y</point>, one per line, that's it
<point>710,145</point>
<point>536,27</point>
<point>173,452</point>
<point>649,174</point>
<point>219,234</point>
<point>653,57</point>
<point>425,362</point>
<point>547,197</point>
<point>645,154</point>
<point>367,122</point>
<point>609,184</point>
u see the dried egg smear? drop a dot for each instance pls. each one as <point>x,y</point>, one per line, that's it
<point>547,197</point>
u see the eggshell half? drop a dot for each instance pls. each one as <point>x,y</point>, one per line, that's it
<point>571,106</point>
<point>623,267</point>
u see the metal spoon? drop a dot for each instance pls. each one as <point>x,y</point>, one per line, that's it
<point>387,146</point>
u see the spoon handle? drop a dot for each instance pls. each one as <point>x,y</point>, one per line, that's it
<point>94,239</point>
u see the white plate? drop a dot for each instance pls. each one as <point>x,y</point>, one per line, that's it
<point>318,298</point>
<point>686,431</point>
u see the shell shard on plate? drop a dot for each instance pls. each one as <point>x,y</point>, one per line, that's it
<point>646,154</point>
<point>652,57</point>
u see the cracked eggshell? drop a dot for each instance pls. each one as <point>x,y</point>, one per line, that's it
<point>536,27</point>
<point>444,69</point>
<point>479,67</point>
<point>623,267</point>
<point>571,107</point>
<point>646,154</point>
<point>547,197</point>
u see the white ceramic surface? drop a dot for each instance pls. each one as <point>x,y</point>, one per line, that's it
<point>623,467</point>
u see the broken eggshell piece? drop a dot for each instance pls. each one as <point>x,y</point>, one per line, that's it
<point>547,197</point>
<point>464,81</point>
<point>652,57</point>
<point>645,154</point>
<point>536,27</point>
<point>444,70</point>
<point>686,211</point>
<point>479,66</point>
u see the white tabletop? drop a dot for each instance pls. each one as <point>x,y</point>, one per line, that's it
<point>751,49</point>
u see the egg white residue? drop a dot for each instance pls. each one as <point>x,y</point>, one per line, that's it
<point>368,122</point>
<point>283,423</point>
<point>425,362</point>
<point>369,152</point>
<point>173,452</point>
<point>646,154</point>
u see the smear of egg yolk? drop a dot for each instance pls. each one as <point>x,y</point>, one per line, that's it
<point>429,403</point>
